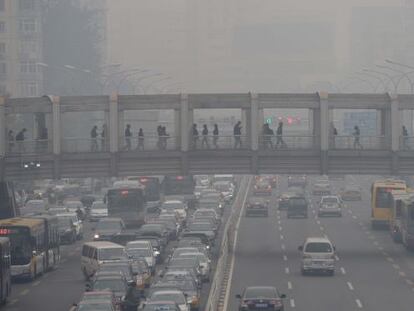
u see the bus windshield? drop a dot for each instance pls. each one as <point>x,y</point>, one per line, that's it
<point>383,197</point>
<point>174,185</point>
<point>20,242</point>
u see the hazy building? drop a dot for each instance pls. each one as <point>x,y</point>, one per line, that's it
<point>20,48</point>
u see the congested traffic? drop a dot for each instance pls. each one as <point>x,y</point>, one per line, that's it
<point>149,243</point>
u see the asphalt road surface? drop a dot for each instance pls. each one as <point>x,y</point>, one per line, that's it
<point>372,272</point>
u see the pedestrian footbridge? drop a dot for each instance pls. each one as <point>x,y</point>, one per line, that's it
<point>59,142</point>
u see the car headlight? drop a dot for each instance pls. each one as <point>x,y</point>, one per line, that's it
<point>96,236</point>
<point>156,253</point>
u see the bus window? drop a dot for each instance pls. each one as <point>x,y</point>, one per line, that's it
<point>383,198</point>
<point>398,207</point>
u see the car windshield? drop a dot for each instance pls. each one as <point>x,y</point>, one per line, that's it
<point>200,227</point>
<point>330,200</point>
<point>139,252</point>
<point>116,285</point>
<point>169,296</point>
<point>172,205</point>
<point>318,247</point>
<point>118,268</point>
<point>297,201</point>
<point>111,254</point>
<point>259,292</point>
<point>183,262</point>
<point>104,225</point>
<point>99,206</point>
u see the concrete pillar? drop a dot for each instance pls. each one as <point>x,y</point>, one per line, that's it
<point>56,125</point>
<point>254,121</point>
<point>395,125</point>
<point>246,126</point>
<point>323,121</point>
<point>185,123</point>
<point>177,128</point>
<point>3,144</point>
<point>113,123</point>
<point>321,125</point>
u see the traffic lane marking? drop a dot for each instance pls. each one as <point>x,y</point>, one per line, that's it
<point>350,286</point>
<point>359,303</point>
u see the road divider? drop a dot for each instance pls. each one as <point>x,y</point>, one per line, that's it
<point>219,290</point>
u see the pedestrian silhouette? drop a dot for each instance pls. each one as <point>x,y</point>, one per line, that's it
<point>140,140</point>
<point>103,137</point>
<point>10,138</point>
<point>279,136</point>
<point>215,135</point>
<point>405,137</point>
<point>128,136</point>
<point>357,135</point>
<point>164,136</point>
<point>204,141</point>
<point>237,135</point>
<point>159,133</point>
<point>195,136</point>
<point>94,139</point>
<point>267,136</point>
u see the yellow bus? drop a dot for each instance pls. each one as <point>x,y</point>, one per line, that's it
<point>28,246</point>
<point>382,201</point>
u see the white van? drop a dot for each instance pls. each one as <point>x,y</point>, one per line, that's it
<point>318,255</point>
<point>96,253</point>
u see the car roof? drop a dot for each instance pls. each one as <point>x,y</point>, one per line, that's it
<point>168,291</point>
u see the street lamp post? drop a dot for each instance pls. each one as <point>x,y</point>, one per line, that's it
<point>153,82</point>
<point>389,77</point>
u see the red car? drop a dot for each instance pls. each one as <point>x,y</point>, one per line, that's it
<point>262,187</point>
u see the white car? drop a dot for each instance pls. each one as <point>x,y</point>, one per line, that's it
<point>204,261</point>
<point>98,210</point>
<point>203,180</point>
<point>179,206</point>
<point>225,188</point>
<point>330,206</point>
<point>318,255</point>
<point>143,253</point>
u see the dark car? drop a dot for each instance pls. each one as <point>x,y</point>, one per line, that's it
<point>124,237</point>
<point>67,230</point>
<point>156,246</point>
<point>113,281</point>
<point>261,298</point>
<point>257,208</point>
<point>297,207</point>
<point>158,230</point>
<point>107,228</point>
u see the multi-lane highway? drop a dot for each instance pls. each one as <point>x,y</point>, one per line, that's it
<point>372,272</point>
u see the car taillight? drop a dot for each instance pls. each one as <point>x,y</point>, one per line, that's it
<point>276,302</point>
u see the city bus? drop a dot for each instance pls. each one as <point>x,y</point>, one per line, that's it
<point>397,197</point>
<point>51,241</point>
<point>182,186</point>
<point>152,187</point>
<point>27,246</point>
<point>407,223</point>
<point>126,200</point>
<point>381,201</point>
<point>5,270</point>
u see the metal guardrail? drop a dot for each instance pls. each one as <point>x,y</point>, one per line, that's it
<point>149,143</point>
<point>226,247</point>
<point>407,143</point>
<point>36,146</point>
<point>219,142</point>
<point>361,142</point>
<point>296,142</point>
<point>73,145</point>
